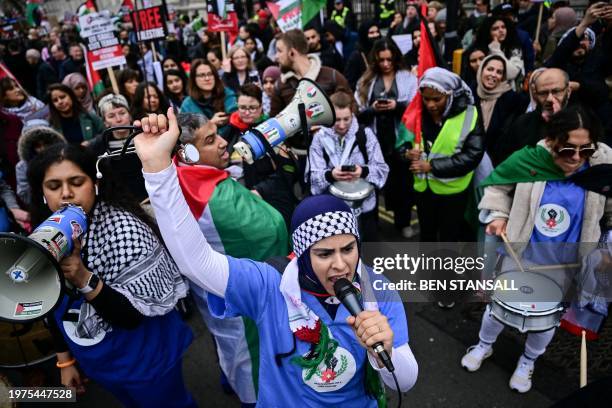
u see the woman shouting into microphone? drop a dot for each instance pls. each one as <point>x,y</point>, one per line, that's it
<point>311,349</point>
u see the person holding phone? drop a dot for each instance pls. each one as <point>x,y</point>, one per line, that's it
<point>347,152</point>
<point>208,96</point>
<point>383,93</point>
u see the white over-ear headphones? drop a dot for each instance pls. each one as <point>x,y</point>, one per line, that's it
<point>188,154</point>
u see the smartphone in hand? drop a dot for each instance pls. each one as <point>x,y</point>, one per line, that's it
<point>348,168</point>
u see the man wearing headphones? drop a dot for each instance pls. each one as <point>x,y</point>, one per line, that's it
<point>242,225</point>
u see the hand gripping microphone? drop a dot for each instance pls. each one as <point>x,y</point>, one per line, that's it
<point>347,295</point>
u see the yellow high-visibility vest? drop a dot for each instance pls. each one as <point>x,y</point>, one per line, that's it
<point>450,140</point>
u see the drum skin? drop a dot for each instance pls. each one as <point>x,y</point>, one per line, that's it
<point>353,192</point>
<point>535,306</point>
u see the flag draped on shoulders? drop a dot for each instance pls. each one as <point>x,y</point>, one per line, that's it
<point>234,220</point>
<point>410,127</point>
<point>528,165</point>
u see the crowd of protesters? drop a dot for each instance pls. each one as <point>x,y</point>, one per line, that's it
<point>510,92</point>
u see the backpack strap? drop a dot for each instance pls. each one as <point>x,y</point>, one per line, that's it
<point>361,140</point>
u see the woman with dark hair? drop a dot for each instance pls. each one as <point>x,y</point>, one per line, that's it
<point>498,35</point>
<point>498,103</point>
<point>310,348</point>
<point>470,62</point>
<point>175,87</point>
<point>382,95</point>
<point>170,62</point>
<point>242,70</point>
<point>121,328</point>
<point>14,100</point>
<point>214,57</point>
<point>358,60</point>
<point>148,99</point>
<point>250,46</point>
<point>208,96</point>
<point>546,209</point>
<point>128,80</point>
<point>68,116</point>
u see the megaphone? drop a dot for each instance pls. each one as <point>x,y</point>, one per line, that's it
<point>310,106</point>
<point>31,280</point>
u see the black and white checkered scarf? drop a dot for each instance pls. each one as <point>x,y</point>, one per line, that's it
<point>125,253</point>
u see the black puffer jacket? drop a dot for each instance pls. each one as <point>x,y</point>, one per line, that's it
<point>461,163</point>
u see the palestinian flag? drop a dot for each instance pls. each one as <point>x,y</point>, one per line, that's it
<point>93,77</point>
<point>429,57</point>
<point>310,8</point>
<point>32,12</point>
<point>287,13</point>
<point>240,224</point>
<point>234,220</point>
<point>87,7</point>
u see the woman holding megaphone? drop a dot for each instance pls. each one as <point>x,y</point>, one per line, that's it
<point>121,327</point>
<point>315,346</point>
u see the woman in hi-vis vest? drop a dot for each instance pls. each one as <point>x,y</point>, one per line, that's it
<point>443,164</point>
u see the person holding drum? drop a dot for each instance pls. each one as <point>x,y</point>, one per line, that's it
<point>531,198</point>
<point>310,348</point>
<point>348,152</point>
<point>120,325</point>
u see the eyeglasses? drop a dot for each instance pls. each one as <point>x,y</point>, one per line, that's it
<point>557,92</point>
<point>248,108</point>
<point>584,151</point>
<point>205,75</point>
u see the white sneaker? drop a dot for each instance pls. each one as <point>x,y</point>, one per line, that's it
<point>521,378</point>
<point>409,232</point>
<point>475,356</point>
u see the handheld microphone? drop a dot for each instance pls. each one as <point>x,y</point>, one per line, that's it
<point>347,295</point>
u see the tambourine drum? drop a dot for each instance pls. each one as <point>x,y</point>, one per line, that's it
<point>354,192</point>
<point>25,344</point>
<point>534,306</point>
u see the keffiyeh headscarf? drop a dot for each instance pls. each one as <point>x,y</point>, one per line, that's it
<point>316,218</point>
<point>448,83</point>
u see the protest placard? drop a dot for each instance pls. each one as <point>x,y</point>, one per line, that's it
<point>149,23</point>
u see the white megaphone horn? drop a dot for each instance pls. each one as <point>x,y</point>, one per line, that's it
<point>309,107</point>
<point>31,280</point>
